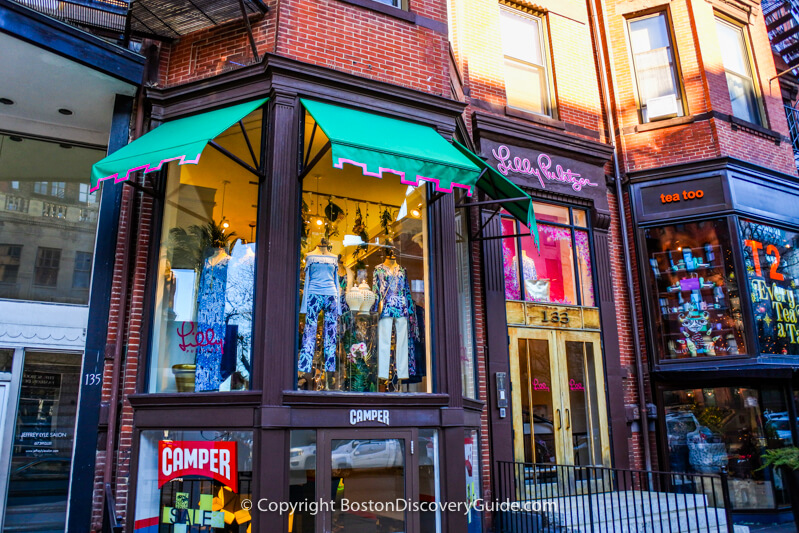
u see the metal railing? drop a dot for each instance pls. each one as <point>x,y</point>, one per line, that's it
<point>538,498</point>
<point>110,519</point>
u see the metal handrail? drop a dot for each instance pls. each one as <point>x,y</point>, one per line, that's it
<point>551,498</point>
<point>111,522</point>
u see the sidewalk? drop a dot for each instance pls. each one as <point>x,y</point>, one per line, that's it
<point>773,528</point>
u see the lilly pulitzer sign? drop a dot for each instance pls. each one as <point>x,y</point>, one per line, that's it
<point>542,169</point>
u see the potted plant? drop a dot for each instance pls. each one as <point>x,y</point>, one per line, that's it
<point>787,460</point>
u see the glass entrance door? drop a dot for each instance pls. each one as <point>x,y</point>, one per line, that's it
<point>558,398</point>
<point>367,474</point>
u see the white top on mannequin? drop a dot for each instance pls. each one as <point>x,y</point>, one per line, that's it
<point>218,256</point>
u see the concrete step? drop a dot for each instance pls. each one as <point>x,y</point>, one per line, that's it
<point>626,512</point>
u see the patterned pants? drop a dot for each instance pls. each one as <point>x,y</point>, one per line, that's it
<point>316,304</point>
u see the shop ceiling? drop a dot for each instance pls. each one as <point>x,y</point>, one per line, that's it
<point>44,83</point>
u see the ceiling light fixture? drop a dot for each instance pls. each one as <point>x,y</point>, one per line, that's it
<point>65,111</point>
<point>15,139</point>
<point>65,146</point>
<point>6,101</point>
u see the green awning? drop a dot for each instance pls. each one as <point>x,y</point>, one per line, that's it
<point>181,140</point>
<point>381,144</point>
<point>514,200</point>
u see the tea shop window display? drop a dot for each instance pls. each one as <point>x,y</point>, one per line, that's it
<point>698,305</point>
<point>362,309</point>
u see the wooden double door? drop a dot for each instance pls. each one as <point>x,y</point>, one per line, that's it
<point>558,397</point>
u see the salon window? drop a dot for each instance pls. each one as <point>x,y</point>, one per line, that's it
<point>202,331</point>
<point>693,289</point>
<point>364,317</point>
<point>559,271</point>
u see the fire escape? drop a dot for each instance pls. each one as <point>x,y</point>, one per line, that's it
<point>782,23</point>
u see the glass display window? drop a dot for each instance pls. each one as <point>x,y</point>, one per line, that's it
<point>772,273</point>
<point>363,318</point>
<point>48,220</point>
<point>201,339</point>
<point>471,453</point>
<point>465,307</point>
<point>727,427</point>
<point>559,271</point>
<point>694,290</point>
<point>194,481</point>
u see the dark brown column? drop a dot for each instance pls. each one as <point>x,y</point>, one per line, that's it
<point>610,340</point>
<point>453,476</point>
<point>444,304</point>
<point>497,356</point>
<point>278,258</point>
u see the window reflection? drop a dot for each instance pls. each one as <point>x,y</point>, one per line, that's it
<point>726,427</point>
<point>48,220</point>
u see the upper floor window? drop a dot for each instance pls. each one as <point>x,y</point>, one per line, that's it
<point>393,3</point>
<point>50,188</point>
<point>82,274</point>
<point>85,196</point>
<point>48,261</point>
<point>560,270</point>
<point>9,262</point>
<point>738,68</point>
<point>525,52</point>
<point>655,68</point>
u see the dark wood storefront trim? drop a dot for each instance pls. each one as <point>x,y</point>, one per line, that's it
<point>489,131</point>
<point>274,408</point>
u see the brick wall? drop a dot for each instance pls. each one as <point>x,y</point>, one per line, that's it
<point>476,41</point>
<point>367,43</point>
<point>705,90</point>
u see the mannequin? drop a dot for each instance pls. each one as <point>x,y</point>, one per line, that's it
<point>396,311</point>
<point>211,321</point>
<point>321,294</point>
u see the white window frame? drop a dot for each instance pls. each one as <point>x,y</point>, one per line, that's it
<point>547,98</point>
<point>675,69</point>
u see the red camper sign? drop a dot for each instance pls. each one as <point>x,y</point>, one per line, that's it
<point>217,460</point>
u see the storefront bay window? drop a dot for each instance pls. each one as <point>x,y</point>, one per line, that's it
<point>194,481</point>
<point>363,324</point>
<point>559,271</point>
<point>694,290</point>
<point>729,427</point>
<point>201,338</point>
<point>772,273</point>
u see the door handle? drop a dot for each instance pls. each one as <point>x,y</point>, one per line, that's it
<point>568,419</point>
<point>560,420</point>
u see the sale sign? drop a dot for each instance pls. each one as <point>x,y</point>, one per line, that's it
<point>216,460</point>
